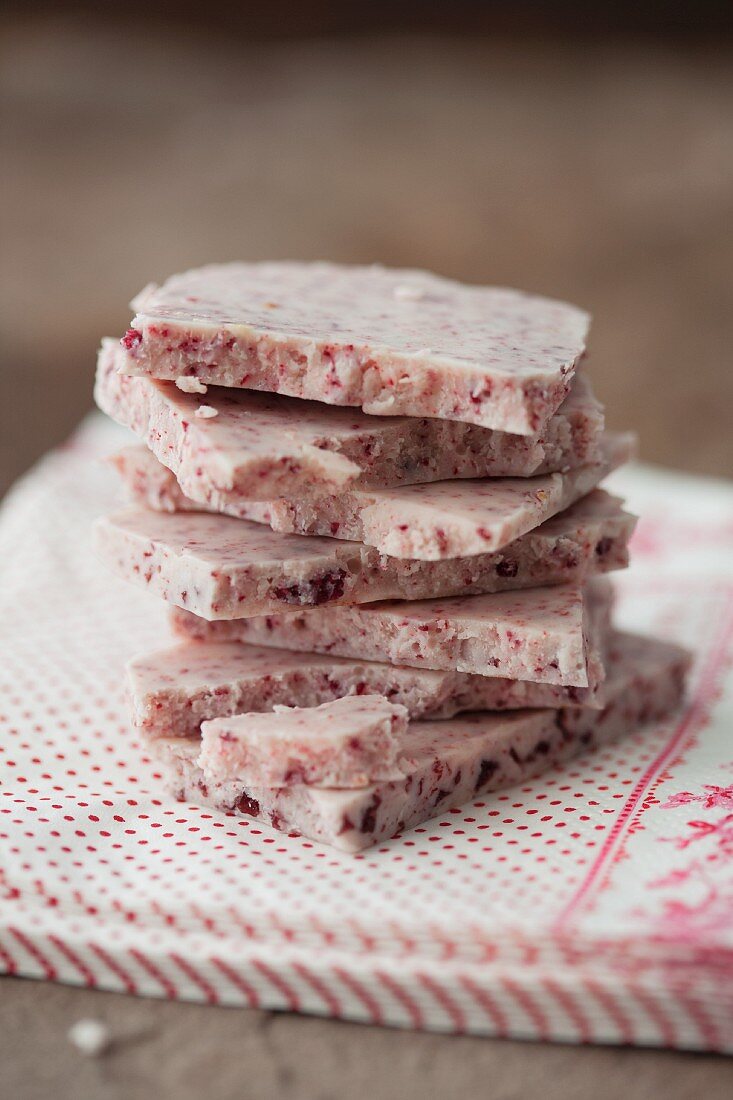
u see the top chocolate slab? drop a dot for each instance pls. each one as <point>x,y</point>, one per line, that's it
<point>242,445</point>
<point>393,342</point>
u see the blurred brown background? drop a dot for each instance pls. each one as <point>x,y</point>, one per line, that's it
<point>582,150</point>
<point>577,152</point>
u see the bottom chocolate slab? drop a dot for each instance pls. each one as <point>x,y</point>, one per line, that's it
<point>447,763</point>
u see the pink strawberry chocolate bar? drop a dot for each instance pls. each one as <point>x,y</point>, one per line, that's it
<point>222,568</point>
<point>447,519</point>
<point>449,763</point>
<point>349,743</point>
<point>178,688</point>
<point>539,634</point>
<point>392,342</point>
<point>243,445</point>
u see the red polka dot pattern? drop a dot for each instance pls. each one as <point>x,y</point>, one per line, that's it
<point>570,907</point>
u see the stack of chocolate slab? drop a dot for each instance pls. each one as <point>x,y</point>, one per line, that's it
<point>371,498</point>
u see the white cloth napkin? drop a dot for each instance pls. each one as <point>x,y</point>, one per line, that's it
<point>593,904</point>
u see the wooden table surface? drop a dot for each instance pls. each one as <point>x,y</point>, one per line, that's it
<point>190,1052</point>
<point>597,171</point>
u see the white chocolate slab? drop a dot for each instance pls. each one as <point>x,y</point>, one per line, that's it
<point>222,568</point>
<point>184,685</point>
<point>347,743</point>
<point>447,519</point>
<point>538,634</point>
<point>392,342</point>
<point>448,763</point>
<point>242,445</point>
<point>436,522</point>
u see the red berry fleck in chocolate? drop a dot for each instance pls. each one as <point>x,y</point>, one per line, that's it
<point>507,568</point>
<point>369,820</point>
<point>131,339</point>
<point>319,590</point>
<point>485,772</point>
<point>442,539</point>
<point>247,805</point>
